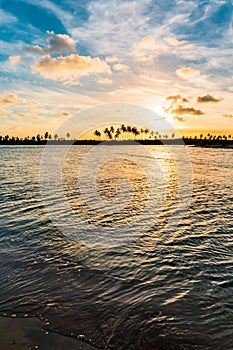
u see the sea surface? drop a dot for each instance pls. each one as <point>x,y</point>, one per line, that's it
<point>162,289</point>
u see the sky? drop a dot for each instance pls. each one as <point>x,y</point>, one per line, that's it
<point>173,57</point>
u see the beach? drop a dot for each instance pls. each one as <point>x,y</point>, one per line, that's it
<point>29,334</point>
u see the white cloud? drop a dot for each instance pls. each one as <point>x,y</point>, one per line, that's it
<point>104,81</point>
<point>6,18</point>
<point>121,67</point>
<point>147,50</point>
<point>112,59</point>
<point>177,44</point>
<point>112,26</point>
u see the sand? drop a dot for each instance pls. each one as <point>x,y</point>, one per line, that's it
<point>28,334</point>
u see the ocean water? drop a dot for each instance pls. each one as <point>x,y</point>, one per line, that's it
<point>147,287</point>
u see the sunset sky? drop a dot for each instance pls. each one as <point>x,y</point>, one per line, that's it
<point>59,57</point>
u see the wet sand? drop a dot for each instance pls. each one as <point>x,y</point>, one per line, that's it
<point>29,334</point>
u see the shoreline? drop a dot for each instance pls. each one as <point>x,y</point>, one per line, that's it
<point>28,333</point>
<point>166,142</point>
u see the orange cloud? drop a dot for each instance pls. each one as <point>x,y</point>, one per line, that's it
<point>187,72</point>
<point>9,99</point>
<point>208,98</point>
<point>179,119</point>
<point>71,68</point>
<point>176,98</point>
<point>180,110</point>
<point>228,115</point>
<point>66,114</point>
<point>15,59</point>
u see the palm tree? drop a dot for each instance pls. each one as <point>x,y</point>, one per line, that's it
<point>46,135</point>
<point>129,130</point>
<point>123,129</point>
<point>97,133</point>
<point>55,137</point>
<point>117,134</point>
<point>68,135</point>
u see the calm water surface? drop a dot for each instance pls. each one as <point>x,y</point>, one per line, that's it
<point>162,291</point>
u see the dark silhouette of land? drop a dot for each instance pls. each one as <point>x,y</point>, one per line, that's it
<point>123,135</point>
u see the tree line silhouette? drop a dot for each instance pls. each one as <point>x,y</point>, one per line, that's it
<point>123,133</point>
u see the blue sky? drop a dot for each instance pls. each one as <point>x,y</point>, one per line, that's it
<point>174,57</point>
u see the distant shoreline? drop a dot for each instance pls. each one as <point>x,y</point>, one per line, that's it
<point>187,141</point>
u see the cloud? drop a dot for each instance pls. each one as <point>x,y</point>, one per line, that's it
<point>29,116</point>
<point>147,50</point>
<point>180,110</point>
<point>179,119</point>
<point>2,111</point>
<point>33,104</point>
<point>104,81</point>
<point>120,67</point>
<point>176,98</point>
<point>111,59</point>
<point>228,115</point>
<point>9,99</point>
<point>178,45</point>
<point>66,114</point>
<point>6,18</point>
<point>15,59</point>
<point>71,68</point>
<point>57,43</point>
<point>35,50</point>
<point>187,72</point>
<point>208,98</point>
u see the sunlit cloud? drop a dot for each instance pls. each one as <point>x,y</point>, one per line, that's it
<point>3,111</point>
<point>111,59</point>
<point>177,44</point>
<point>176,98</point>
<point>32,104</point>
<point>10,99</point>
<point>15,59</point>
<point>179,119</point>
<point>181,110</point>
<point>121,67</point>
<point>56,44</point>
<point>228,115</point>
<point>208,99</point>
<point>104,81</point>
<point>187,72</point>
<point>70,69</point>
<point>66,114</point>
<point>147,50</point>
